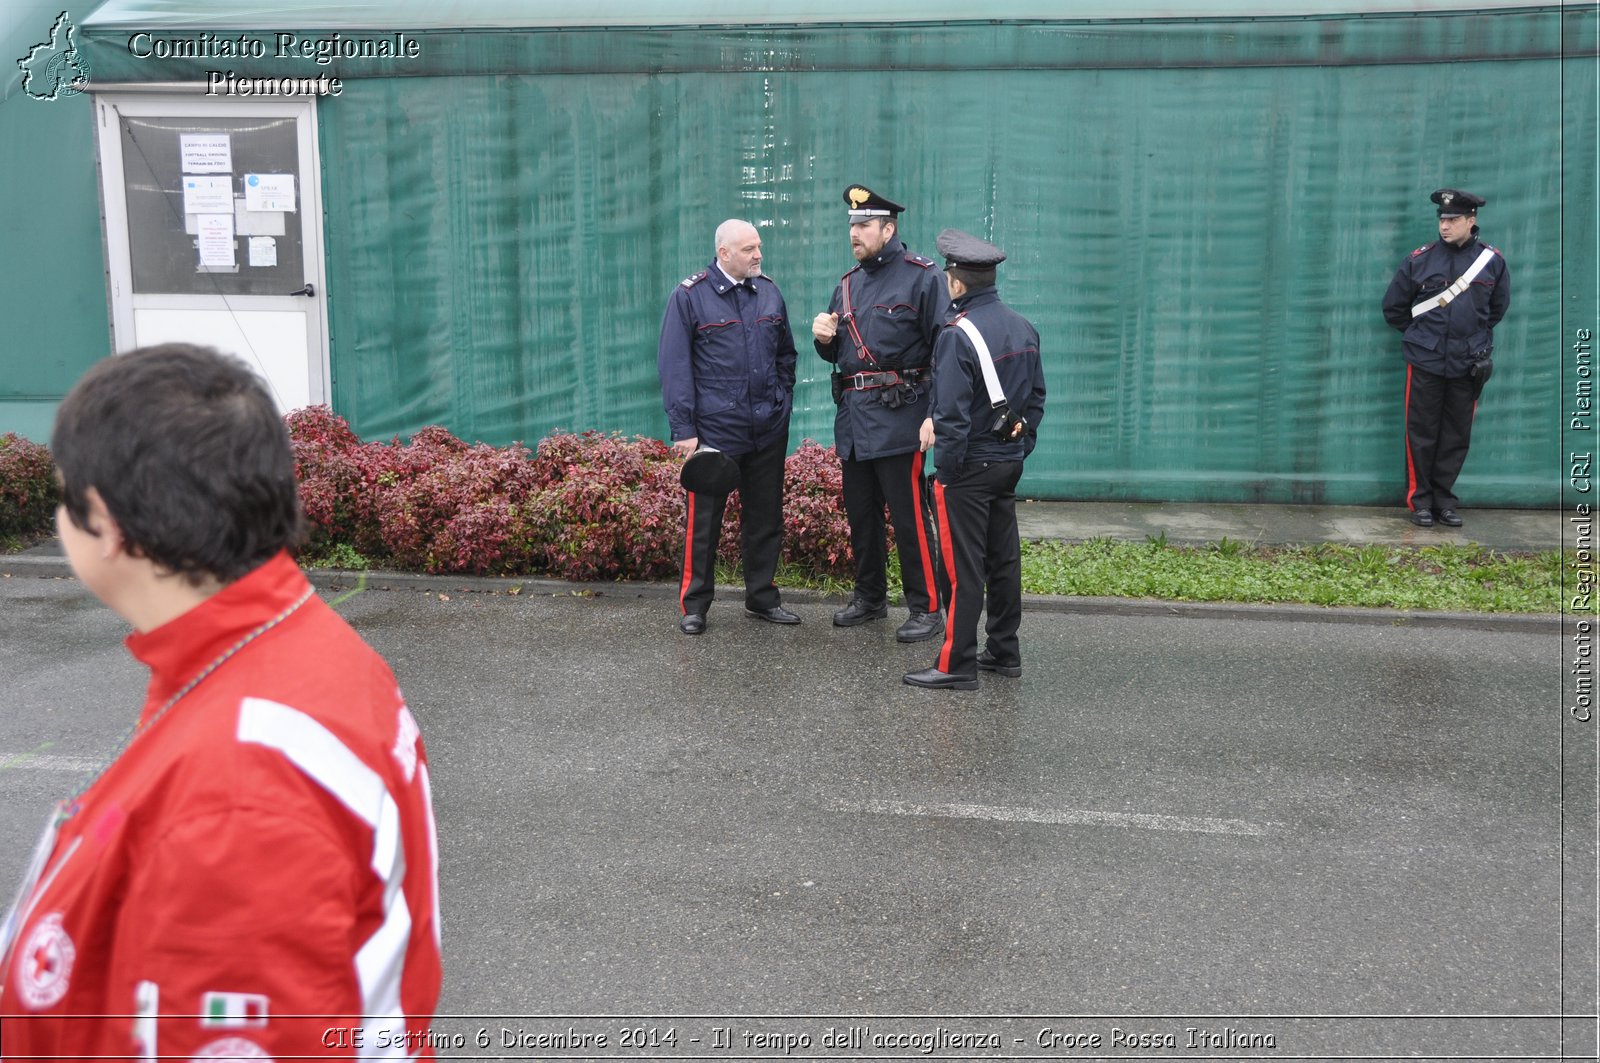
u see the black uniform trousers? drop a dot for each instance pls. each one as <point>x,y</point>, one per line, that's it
<point>761,533</point>
<point>897,481</point>
<point>983,558</point>
<point>1438,430</point>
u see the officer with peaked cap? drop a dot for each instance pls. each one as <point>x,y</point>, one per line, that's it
<point>1446,298</point>
<point>727,366</point>
<point>988,399</point>
<point>878,331</point>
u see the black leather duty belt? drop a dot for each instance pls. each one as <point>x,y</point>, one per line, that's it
<point>871,381</point>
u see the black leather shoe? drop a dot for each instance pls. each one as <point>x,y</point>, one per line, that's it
<point>692,624</point>
<point>921,626</point>
<point>990,663</point>
<point>1422,518</point>
<point>860,611</point>
<point>776,615</point>
<point>934,679</point>
<point>1449,518</point>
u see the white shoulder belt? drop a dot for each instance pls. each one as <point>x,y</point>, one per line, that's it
<point>997,397</point>
<point>1444,298</point>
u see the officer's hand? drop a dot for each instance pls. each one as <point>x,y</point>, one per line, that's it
<point>927,433</point>
<point>825,327</point>
<point>685,447</point>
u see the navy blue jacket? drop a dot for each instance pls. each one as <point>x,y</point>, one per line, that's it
<point>1444,339</point>
<point>899,301</point>
<point>962,411</point>
<point>727,362</point>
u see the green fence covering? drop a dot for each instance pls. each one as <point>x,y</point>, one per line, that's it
<point>1201,218</point>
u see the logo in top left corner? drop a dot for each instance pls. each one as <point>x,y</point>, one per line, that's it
<point>56,68</point>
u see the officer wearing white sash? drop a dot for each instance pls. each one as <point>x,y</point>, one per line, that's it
<point>988,398</point>
<point>1446,298</point>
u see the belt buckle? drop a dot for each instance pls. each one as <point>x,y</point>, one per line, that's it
<point>858,382</point>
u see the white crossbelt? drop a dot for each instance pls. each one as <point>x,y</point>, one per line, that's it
<point>996,395</point>
<point>1444,298</point>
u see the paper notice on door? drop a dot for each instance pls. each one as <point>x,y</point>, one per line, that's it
<point>263,251</point>
<point>269,191</point>
<point>206,152</point>
<point>208,195</point>
<point>216,240</point>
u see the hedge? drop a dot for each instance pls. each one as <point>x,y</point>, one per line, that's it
<point>28,491</point>
<point>589,506</point>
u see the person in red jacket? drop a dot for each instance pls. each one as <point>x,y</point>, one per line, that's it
<point>254,876</point>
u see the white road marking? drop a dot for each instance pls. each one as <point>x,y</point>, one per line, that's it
<point>1068,817</point>
<point>46,762</point>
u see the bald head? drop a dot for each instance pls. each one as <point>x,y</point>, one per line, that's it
<point>738,249</point>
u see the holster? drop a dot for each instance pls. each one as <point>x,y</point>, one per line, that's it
<point>836,382</point>
<point>1481,370</point>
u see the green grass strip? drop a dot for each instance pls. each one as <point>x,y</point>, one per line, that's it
<point>1444,577</point>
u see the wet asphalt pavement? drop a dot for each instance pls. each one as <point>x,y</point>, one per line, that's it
<point>1208,827</point>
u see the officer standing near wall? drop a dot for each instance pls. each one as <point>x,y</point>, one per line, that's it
<point>988,399</point>
<point>878,331</point>
<point>727,365</point>
<point>1446,298</point>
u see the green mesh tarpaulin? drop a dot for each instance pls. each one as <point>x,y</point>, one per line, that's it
<point>1201,217</point>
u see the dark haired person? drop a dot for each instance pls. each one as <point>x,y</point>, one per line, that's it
<point>988,398</point>
<point>1446,298</point>
<point>878,332</point>
<point>257,864</point>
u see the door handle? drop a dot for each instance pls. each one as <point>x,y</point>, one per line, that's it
<point>307,291</point>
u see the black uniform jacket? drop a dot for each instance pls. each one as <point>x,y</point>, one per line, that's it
<point>963,415</point>
<point>898,300</point>
<point>727,362</point>
<point>1444,339</point>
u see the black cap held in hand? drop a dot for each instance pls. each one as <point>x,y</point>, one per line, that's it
<point>709,472</point>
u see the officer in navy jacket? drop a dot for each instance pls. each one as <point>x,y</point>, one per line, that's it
<point>878,331</point>
<point>1446,298</point>
<point>979,447</point>
<point>727,365</point>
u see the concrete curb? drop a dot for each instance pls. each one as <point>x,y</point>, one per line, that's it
<point>335,580</point>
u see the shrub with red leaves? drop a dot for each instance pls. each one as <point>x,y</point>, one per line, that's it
<point>28,492</point>
<point>816,530</point>
<point>615,508</point>
<point>329,468</point>
<point>443,506</point>
<point>587,506</point>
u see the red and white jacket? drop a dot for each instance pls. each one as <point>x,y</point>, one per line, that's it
<point>256,875</point>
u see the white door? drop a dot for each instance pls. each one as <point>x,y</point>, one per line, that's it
<point>213,231</point>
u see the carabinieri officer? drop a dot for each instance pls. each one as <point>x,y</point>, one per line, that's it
<point>1446,298</point>
<point>878,331</point>
<point>988,399</point>
<point>727,363</point>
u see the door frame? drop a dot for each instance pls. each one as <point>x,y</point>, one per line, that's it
<point>170,99</point>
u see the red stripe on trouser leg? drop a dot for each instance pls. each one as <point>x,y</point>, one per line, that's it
<point>688,552</point>
<point>1411,468</point>
<point>925,555</point>
<point>945,540</point>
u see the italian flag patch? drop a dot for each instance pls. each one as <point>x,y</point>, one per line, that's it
<point>233,1011</point>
